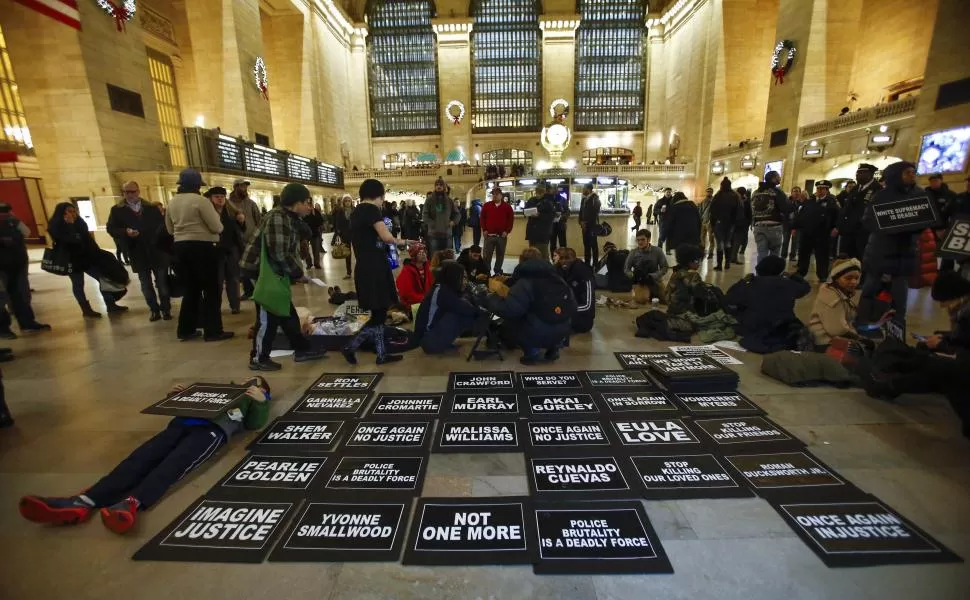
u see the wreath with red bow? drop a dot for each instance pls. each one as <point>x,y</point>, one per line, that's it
<point>779,70</point>
<point>122,11</point>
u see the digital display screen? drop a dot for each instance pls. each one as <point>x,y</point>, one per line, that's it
<point>944,151</point>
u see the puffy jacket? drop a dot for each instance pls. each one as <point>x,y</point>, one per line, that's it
<point>725,208</point>
<point>517,306</point>
<point>579,277</point>
<point>944,198</point>
<point>440,301</point>
<point>890,253</point>
<point>411,286</point>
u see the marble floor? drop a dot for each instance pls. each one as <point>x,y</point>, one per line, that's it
<point>76,393</point>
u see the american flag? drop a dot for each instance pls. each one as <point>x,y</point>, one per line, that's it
<point>64,11</point>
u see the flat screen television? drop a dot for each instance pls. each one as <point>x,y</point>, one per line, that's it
<point>775,165</point>
<point>944,151</point>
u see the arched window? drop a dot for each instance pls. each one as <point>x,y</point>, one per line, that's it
<point>508,157</point>
<point>402,60</point>
<point>506,66</point>
<point>608,156</point>
<point>610,81</point>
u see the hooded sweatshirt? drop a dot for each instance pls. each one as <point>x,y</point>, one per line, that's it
<point>891,254</point>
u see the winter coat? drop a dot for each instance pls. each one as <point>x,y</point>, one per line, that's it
<point>231,240</point>
<point>538,229</point>
<point>411,285</point>
<point>438,213</point>
<point>341,225</point>
<point>661,209</point>
<point>683,224</point>
<point>817,218</point>
<point>516,307</point>
<point>833,315</point>
<point>248,207</point>
<point>891,254</point>
<point>615,263</point>
<point>143,249</point>
<point>659,325</point>
<point>475,214</point>
<point>440,301</point>
<point>765,309</point>
<point>473,268</point>
<point>13,251</point>
<point>778,213</point>
<point>73,238</point>
<point>854,208</point>
<point>724,208</point>
<point>589,210</point>
<point>579,277</point>
<point>944,198</point>
<point>314,221</point>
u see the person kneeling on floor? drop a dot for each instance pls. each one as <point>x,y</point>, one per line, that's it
<point>765,307</point>
<point>444,314</point>
<point>579,277</point>
<point>537,309</point>
<point>140,480</point>
<point>646,266</point>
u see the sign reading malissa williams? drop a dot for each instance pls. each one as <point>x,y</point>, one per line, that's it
<point>909,214</point>
<point>956,244</point>
<point>199,400</point>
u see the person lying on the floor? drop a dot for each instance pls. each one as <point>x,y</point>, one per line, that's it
<point>765,307</point>
<point>140,480</point>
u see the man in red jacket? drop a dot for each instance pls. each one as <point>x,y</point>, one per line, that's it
<point>497,220</point>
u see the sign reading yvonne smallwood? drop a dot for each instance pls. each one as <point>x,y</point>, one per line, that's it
<point>491,381</point>
<point>199,400</point>
<point>347,382</point>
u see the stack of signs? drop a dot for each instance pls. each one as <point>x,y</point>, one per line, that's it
<point>693,374</point>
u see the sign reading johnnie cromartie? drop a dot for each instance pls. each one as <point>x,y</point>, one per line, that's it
<point>560,437</point>
<point>335,532</point>
<point>581,478</point>
<point>597,538</point>
<point>343,404</point>
<point>550,381</point>
<point>483,405</point>
<point>380,437</point>
<point>956,244</point>
<point>470,531</point>
<point>639,360</point>
<point>407,406</point>
<point>384,477</point>
<point>726,403</point>
<point>862,534</point>
<point>657,434</point>
<point>493,381</point>
<point>483,436</point>
<point>558,405</point>
<point>908,214</point>
<point>686,476</point>
<point>301,435</point>
<point>347,382</point>
<point>742,432</point>
<point>199,400</point>
<point>634,402</point>
<point>783,476</point>
<point>611,379</point>
<point>261,475</point>
<point>220,531</point>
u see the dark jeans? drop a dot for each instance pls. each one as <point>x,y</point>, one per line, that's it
<point>477,236</point>
<point>316,246</point>
<point>77,286</point>
<point>249,285</point>
<point>871,286</point>
<point>723,235</point>
<point>197,264</point>
<point>558,239</point>
<point>456,237</point>
<point>228,276</point>
<point>435,244</point>
<point>158,464</point>
<point>445,331</point>
<point>158,270</point>
<point>266,325</point>
<point>636,224</point>
<point>740,242</point>
<point>787,237</point>
<point>18,296</point>
<point>817,244</point>
<point>591,252</point>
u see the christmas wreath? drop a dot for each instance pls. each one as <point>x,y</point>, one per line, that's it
<point>260,77</point>
<point>455,111</point>
<point>779,70</point>
<point>122,11</point>
<point>559,109</point>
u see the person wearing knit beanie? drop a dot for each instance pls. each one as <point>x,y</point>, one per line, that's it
<point>294,193</point>
<point>844,266</point>
<point>770,266</point>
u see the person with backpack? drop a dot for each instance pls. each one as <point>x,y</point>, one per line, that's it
<point>769,216</point>
<point>475,221</point>
<point>537,309</point>
<point>684,278</point>
<point>541,213</point>
<point>589,215</point>
<point>444,314</point>
<point>724,214</point>
<point>579,277</point>
<point>815,222</point>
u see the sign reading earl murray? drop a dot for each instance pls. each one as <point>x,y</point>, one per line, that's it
<point>483,405</point>
<point>793,475</point>
<point>347,382</point>
<point>908,214</point>
<point>310,436</point>
<point>383,436</point>
<point>407,405</point>
<point>631,402</point>
<point>686,476</point>
<point>347,404</point>
<point>859,534</point>
<point>470,531</point>
<point>956,243</point>
<point>482,436</point>
<point>726,403</point>
<point>597,538</point>
<point>383,477</point>
<point>550,381</point>
<point>261,474</point>
<point>559,405</point>
<point>741,431</point>
<point>219,531</point>
<point>491,381</point>
<point>567,435</point>
<point>655,432</point>
<point>199,400</point>
<point>638,360</point>
<point>627,378</point>
<point>328,531</point>
<point>585,478</point>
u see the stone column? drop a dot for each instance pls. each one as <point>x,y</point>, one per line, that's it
<point>360,143</point>
<point>558,63</point>
<point>654,140</point>
<point>455,82</point>
<point>288,41</point>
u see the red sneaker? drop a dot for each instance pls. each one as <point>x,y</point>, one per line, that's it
<point>54,511</point>
<point>120,517</point>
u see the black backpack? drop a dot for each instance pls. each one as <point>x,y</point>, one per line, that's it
<point>763,204</point>
<point>707,299</point>
<point>553,300</point>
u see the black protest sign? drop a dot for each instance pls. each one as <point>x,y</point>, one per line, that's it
<point>782,476</point>
<point>896,328</point>
<point>329,404</point>
<point>726,403</point>
<point>220,531</point>
<point>757,433</point>
<point>299,435</point>
<point>380,437</point>
<point>956,243</point>
<point>597,538</point>
<point>346,382</point>
<point>580,478</point>
<point>478,436</point>
<point>639,360</point>
<point>631,378</point>
<point>199,400</point>
<point>550,381</point>
<point>407,406</point>
<point>270,476</point>
<point>471,531</point>
<point>560,404</point>
<point>862,534</point>
<point>639,402</point>
<point>493,381</point>
<point>334,532</point>
<point>483,405</point>
<point>660,435</point>
<point>686,476</point>
<point>906,215</point>
<point>558,438</point>
<point>688,367</point>
<point>383,477</point>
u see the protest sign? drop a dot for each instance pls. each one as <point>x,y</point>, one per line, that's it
<point>686,476</point>
<point>329,404</point>
<point>550,381</point>
<point>483,436</point>
<point>483,405</point>
<point>407,406</point>
<point>906,215</point>
<point>956,242</point>
<point>335,532</point>
<point>492,381</point>
<point>560,437</point>
<point>409,438</point>
<point>626,403</point>
<point>791,476</point>
<point>298,435</point>
<point>199,400</point>
<point>632,378</point>
<point>269,476</point>
<point>638,360</point>
<point>370,478</point>
<point>559,405</point>
<point>580,478</point>
<point>744,433</point>
<point>726,403</point>
<point>346,382</point>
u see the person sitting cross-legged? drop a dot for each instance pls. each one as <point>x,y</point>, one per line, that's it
<point>444,314</point>
<point>765,307</point>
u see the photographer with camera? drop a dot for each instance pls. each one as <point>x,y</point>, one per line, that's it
<point>647,266</point>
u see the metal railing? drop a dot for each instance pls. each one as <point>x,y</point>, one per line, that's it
<point>872,114</point>
<point>729,150</point>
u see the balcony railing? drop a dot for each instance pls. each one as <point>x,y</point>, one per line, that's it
<point>213,152</point>
<point>729,150</point>
<point>397,173</point>
<point>470,171</point>
<point>873,114</point>
<point>634,169</point>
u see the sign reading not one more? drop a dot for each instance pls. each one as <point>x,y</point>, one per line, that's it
<point>199,400</point>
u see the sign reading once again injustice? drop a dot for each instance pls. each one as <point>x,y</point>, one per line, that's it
<point>317,436</point>
<point>199,400</point>
<point>380,436</point>
<point>328,531</point>
<point>550,381</point>
<point>492,381</point>
<point>628,378</point>
<point>347,404</point>
<point>384,476</point>
<point>655,432</point>
<point>726,403</point>
<point>356,382</point>
<point>486,436</point>
<point>280,476</point>
<point>484,404</point>
<point>625,402</point>
<point>564,435</point>
<point>589,478</point>
<point>407,405</point>
<point>557,405</point>
<point>686,476</point>
<point>638,360</point>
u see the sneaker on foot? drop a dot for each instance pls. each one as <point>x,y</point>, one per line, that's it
<point>390,358</point>
<point>308,355</point>
<point>55,511</point>
<point>120,517</point>
<point>264,365</point>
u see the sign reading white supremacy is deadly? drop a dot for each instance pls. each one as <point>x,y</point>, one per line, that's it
<point>370,437</point>
<point>356,382</point>
<point>381,477</point>
<point>328,531</point>
<point>756,432</point>
<point>726,403</point>
<point>344,404</point>
<point>563,437</point>
<point>219,531</point>
<point>314,436</point>
<point>492,381</point>
<point>199,400</point>
<point>485,436</point>
<point>909,214</point>
<point>581,478</point>
<point>627,378</point>
<point>686,476</point>
<point>628,402</point>
<point>483,405</point>
<point>550,381</point>
<point>466,531</point>
<point>559,405</point>
<point>262,475</point>
<point>859,534</point>
<point>407,405</point>
<point>597,538</point>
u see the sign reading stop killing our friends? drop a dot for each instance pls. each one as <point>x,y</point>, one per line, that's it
<point>756,433</point>
<point>471,531</point>
<point>407,406</point>
<point>493,381</point>
<point>335,532</point>
<point>301,436</point>
<point>346,382</point>
<point>334,404</point>
<point>686,477</point>
<point>369,478</point>
<point>956,243</point>
<point>199,400</point>
<point>597,538</point>
<point>580,478</point>
<point>220,531</point>
<point>270,476</point>
<point>908,214</point>
<point>380,437</point>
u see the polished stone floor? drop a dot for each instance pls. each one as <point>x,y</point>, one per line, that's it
<point>76,394</point>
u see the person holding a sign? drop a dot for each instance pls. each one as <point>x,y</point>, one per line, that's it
<point>140,480</point>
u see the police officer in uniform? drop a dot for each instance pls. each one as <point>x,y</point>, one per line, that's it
<point>815,222</point>
<point>849,226</point>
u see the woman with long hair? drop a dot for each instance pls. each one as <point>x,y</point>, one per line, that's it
<point>341,227</point>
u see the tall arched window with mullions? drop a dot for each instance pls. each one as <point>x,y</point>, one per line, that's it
<point>506,66</point>
<point>610,79</point>
<point>402,59</point>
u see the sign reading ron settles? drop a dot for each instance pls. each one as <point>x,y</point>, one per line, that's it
<point>199,400</point>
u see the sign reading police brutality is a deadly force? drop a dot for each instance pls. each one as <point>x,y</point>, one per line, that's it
<point>466,531</point>
<point>483,405</point>
<point>791,475</point>
<point>199,400</point>
<point>630,402</point>
<point>627,378</point>
<point>550,381</point>
<point>407,405</point>
<point>219,531</point>
<point>562,437</point>
<point>638,360</point>
<point>329,531</point>
<point>562,404</point>
<point>581,478</point>
<point>307,436</point>
<point>370,437</point>
<point>756,432</point>
<point>484,436</point>
<point>727,403</point>
<point>909,214</point>
<point>597,538</point>
<point>956,243</point>
<point>686,476</point>
<point>860,534</point>
<point>656,433</point>
<point>381,477</point>
<point>346,404</point>
<point>492,381</point>
<point>348,382</point>
<point>262,475</point>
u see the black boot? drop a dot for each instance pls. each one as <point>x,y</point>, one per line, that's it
<point>720,259</point>
<point>350,349</point>
<point>89,312</point>
<point>380,345</point>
